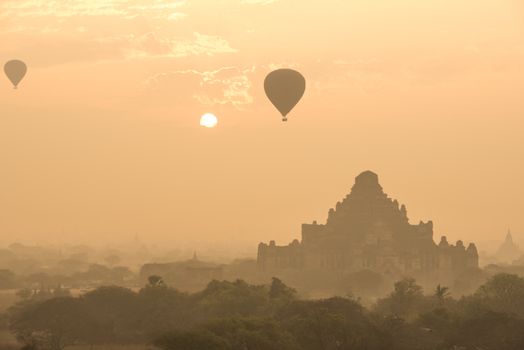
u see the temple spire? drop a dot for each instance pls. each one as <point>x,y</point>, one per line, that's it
<point>508,251</point>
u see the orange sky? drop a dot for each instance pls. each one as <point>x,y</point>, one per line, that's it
<point>102,140</point>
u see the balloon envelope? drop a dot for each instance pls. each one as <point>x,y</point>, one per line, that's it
<point>15,71</point>
<point>284,88</point>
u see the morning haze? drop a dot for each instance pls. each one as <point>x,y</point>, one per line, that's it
<point>103,140</point>
<point>408,111</point>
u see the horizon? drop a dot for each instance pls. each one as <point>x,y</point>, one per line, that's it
<point>217,250</point>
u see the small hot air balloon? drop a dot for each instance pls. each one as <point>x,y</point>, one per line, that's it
<point>284,88</point>
<point>15,71</point>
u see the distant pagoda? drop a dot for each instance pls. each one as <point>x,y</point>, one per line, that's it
<point>509,250</point>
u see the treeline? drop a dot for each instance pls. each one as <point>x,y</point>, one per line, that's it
<point>93,275</point>
<point>239,316</point>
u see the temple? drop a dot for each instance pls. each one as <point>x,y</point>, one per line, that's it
<point>368,230</point>
<point>509,250</point>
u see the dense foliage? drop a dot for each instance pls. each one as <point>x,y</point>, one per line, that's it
<point>239,316</point>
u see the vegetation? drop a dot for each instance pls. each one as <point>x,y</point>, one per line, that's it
<point>239,316</point>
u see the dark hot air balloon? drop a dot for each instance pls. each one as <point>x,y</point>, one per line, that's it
<point>15,71</point>
<point>284,88</point>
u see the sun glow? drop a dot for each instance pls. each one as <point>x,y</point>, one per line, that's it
<point>208,120</point>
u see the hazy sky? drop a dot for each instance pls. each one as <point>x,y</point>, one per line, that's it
<point>102,140</point>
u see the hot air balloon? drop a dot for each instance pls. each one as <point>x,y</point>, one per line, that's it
<point>284,88</point>
<point>15,71</point>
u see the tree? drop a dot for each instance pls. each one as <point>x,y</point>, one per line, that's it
<point>161,308</point>
<point>53,324</point>
<point>437,320</point>
<point>404,301</point>
<point>231,334</point>
<point>252,334</point>
<point>227,299</point>
<point>503,293</point>
<point>441,293</point>
<point>192,340</point>
<point>278,290</point>
<point>155,281</point>
<point>407,288</point>
<point>489,331</point>
<point>117,308</point>
<point>335,323</point>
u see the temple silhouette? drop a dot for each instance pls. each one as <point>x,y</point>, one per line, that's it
<point>509,250</point>
<point>369,230</point>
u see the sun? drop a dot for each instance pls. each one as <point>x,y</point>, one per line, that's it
<point>208,120</point>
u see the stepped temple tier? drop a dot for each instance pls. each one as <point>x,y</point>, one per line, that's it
<point>367,230</point>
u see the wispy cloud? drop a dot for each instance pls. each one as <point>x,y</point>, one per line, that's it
<point>71,8</point>
<point>223,86</point>
<point>150,45</point>
<point>55,32</point>
<point>258,2</point>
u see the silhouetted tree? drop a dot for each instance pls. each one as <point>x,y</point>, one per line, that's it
<point>155,281</point>
<point>278,290</point>
<point>441,293</point>
<point>231,334</point>
<point>252,333</point>
<point>238,298</point>
<point>503,293</point>
<point>191,340</point>
<point>336,323</point>
<point>161,309</point>
<point>53,324</point>
<point>489,331</point>
<point>404,301</point>
<point>238,316</point>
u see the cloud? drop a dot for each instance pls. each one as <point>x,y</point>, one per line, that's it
<point>176,16</point>
<point>223,86</point>
<point>202,44</point>
<point>55,32</point>
<point>72,8</point>
<point>59,49</point>
<point>258,2</point>
<point>150,45</point>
